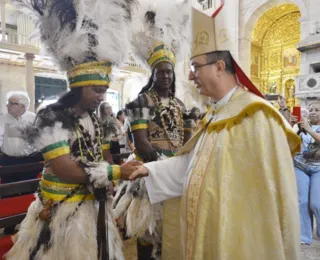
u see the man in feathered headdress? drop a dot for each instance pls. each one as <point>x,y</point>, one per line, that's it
<point>156,116</point>
<point>235,176</point>
<point>85,38</point>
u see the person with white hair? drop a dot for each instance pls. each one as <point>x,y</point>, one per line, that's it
<point>18,103</point>
<point>12,145</point>
<point>14,149</point>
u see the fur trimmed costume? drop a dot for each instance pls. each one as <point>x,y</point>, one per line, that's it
<point>131,202</point>
<point>160,35</point>
<point>74,221</point>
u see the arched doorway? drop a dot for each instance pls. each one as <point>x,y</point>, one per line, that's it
<point>275,61</point>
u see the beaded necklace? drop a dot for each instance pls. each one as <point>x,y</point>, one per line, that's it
<point>89,153</point>
<point>85,141</point>
<point>172,115</point>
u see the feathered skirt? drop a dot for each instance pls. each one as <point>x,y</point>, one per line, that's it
<point>72,238</point>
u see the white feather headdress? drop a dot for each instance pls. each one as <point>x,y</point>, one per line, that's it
<point>161,31</point>
<point>75,32</point>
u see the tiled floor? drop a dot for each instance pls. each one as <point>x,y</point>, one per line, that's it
<point>311,252</point>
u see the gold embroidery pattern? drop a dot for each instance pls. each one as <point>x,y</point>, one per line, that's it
<point>196,181</point>
<point>202,38</point>
<point>192,201</point>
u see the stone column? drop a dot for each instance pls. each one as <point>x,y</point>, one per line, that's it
<point>30,82</point>
<point>3,19</point>
<point>245,55</point>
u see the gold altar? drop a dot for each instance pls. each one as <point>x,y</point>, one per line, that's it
<point>275,60</point>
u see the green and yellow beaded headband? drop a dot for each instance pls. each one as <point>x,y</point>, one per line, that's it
<point>161,53</point>
<point>96,73</point>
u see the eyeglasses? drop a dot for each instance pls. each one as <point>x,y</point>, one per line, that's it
<point>194,68</point>
<point>9,103</point>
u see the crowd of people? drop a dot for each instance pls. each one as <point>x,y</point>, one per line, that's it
<point>223,185</point>
<point>306,165</point>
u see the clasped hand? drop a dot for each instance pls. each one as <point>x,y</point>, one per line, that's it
<point>133,170</point>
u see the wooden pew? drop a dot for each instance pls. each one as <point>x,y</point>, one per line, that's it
<point>21,168</point>
<point>13,205</point>
<point>16,197</point>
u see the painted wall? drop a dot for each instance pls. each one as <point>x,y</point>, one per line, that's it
<point>12,78</point>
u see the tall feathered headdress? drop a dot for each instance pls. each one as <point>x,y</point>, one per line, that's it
<point>161,31</point>
<point>84,37</point>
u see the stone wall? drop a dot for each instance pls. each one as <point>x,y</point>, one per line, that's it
<point>12,78</point>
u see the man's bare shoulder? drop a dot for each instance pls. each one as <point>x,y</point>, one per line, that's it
<point>142,101</point>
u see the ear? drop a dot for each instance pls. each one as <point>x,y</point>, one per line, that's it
<point>221,67</point>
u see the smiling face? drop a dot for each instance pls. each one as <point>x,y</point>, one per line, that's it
<point>92,97</point>
<point>314,113</point>
<point>205,75</point>
<point>163,76</point>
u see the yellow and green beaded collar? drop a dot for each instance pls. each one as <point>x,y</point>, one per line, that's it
<point>161,53</point>
<point>96,73</point>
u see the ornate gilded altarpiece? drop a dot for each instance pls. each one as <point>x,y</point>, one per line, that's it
<point>275,60</point>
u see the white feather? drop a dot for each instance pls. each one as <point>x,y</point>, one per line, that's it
<point>172,26</point>
<point>132,216</point>
<point>75,238</point>
<point>51,135</point>
<point>121,208</point>
<point>63,42</point>
<point>141,217</point>
<point>99,174</point>
<point>133,115</point>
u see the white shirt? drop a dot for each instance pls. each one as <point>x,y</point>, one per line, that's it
<point>124,138</point>
<point>225,100</point>
<point>11,141</point>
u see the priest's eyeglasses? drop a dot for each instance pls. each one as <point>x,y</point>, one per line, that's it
<point>194,67</point>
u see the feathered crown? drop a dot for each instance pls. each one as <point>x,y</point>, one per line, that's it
<point>161,31</point>
<point>84,37</point>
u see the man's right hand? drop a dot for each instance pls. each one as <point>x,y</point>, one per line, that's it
<point>128,168</point>
<point>140,172</point>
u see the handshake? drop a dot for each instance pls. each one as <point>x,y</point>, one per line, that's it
<point>133,170</point>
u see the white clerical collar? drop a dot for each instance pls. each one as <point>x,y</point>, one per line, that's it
<point>225,99</point>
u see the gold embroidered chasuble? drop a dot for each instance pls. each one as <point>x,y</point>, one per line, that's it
<point>240,201</point>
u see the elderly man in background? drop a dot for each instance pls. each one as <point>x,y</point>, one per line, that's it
<point>14,149</point>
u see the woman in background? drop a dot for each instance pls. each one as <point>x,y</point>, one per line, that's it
<point>307,168</point>
<point>110,121</point>
<point>124,140</point>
